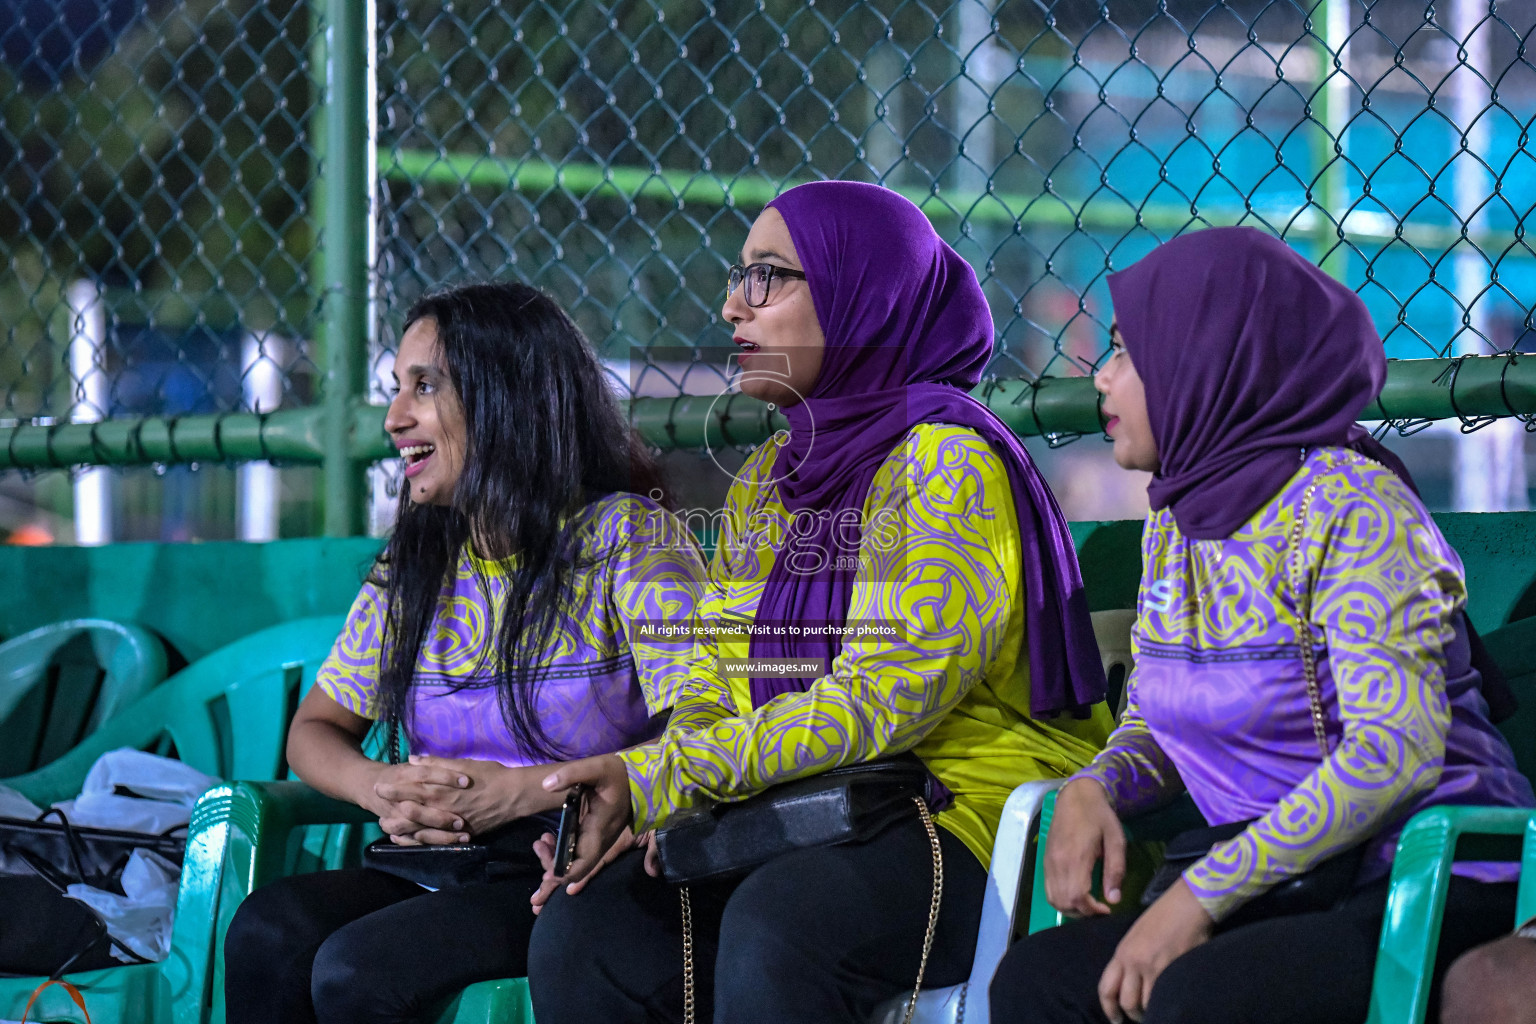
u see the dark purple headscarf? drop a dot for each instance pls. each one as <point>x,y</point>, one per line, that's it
<point>908,333</point>
<point>1249,354</point>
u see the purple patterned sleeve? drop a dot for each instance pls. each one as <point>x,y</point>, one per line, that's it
<point>350,675</point>
<point>658,577</point>
<point>1134,771</point>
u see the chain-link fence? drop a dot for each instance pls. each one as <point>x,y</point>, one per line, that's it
<point>615,154</point>
<point>154,207</point>
<point>157,224</point>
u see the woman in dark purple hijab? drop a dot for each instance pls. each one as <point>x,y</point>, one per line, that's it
<point>1305,672</point>
<point>903,582</point>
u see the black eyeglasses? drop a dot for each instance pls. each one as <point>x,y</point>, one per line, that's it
<point>756,277</point>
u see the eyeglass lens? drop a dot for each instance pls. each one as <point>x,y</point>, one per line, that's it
<point>754,279</point>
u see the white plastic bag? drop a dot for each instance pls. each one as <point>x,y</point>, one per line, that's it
<point>162,793</point>
<point>147,775</point>
<point>14,805</point>
<point>140,918</point>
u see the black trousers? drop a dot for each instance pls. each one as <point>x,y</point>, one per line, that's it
<point>345,947</point>
<point>1303,969</point>
<point>813,937</point>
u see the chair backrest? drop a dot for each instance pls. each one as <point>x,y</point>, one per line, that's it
<point>226,714</point>
<point>1112,630</point>
<point>1513,648</point>
<point>60,682</point>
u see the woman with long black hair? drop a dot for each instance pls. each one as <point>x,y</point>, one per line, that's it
<point>498,632</point>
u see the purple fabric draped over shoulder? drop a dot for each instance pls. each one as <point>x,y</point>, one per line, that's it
<point>908,333</point>
<point>1249,354</point>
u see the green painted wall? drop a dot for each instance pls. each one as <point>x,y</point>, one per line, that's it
<point>1498,550</point>
<point>199,597</point>
<point>202,596</point>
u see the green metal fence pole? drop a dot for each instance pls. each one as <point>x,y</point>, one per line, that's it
<point>348,185</point>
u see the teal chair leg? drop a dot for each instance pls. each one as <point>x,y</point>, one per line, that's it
<point>1421,876</point>
<point>1041,914</point>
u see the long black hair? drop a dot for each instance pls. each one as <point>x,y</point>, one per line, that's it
<point>544,437</point>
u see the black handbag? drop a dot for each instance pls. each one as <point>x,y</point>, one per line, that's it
<point>1322,888</point>
<point>63,853</point>
<point>841,805</point>
<point>1327,884</point>
<point>43,932</point>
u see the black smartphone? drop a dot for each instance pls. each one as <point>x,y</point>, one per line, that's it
<point>570,828</point>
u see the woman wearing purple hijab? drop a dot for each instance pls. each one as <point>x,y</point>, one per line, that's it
<point>894,498</point>
<point>1237,372</point>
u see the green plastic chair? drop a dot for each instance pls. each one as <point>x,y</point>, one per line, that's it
<point>258,822</point>
<point>226,715</point>
<point>60,682</point>
<point>1438,836</point>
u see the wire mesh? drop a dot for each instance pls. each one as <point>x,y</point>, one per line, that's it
<point>154,208</point>
<point>615,153</point>
<point>158,170</point>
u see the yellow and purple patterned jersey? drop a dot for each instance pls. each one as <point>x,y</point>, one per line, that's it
<point>602,682</point>
<point>1217,702</point>
<point>954,688</point>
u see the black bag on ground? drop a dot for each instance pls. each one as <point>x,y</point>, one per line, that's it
<point>64,853</point>
<point>42,931</point>
<point>45,933</point>
<point>843,805</point>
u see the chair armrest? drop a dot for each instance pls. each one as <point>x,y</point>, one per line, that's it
<point>1159,825</point>
<point>1421,876</point>
<point>261,814</point>
<point>1010,857</point>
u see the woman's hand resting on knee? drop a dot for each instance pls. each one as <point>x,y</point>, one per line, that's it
<point>1169,928</point>
<point>1084,831</point>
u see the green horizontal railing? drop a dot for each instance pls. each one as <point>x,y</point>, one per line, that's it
<point>1050,209</point>
<point>1469,389</point>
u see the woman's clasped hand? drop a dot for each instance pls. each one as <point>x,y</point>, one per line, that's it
<point>440,800</point>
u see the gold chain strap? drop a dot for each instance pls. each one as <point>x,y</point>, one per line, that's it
<point>1303,595</point>
<point>933,908</point>
<point>922,967</point>
<point>687,957</point>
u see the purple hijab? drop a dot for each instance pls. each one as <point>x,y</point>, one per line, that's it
<point>907,333</point>
<point>1249,354</point>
